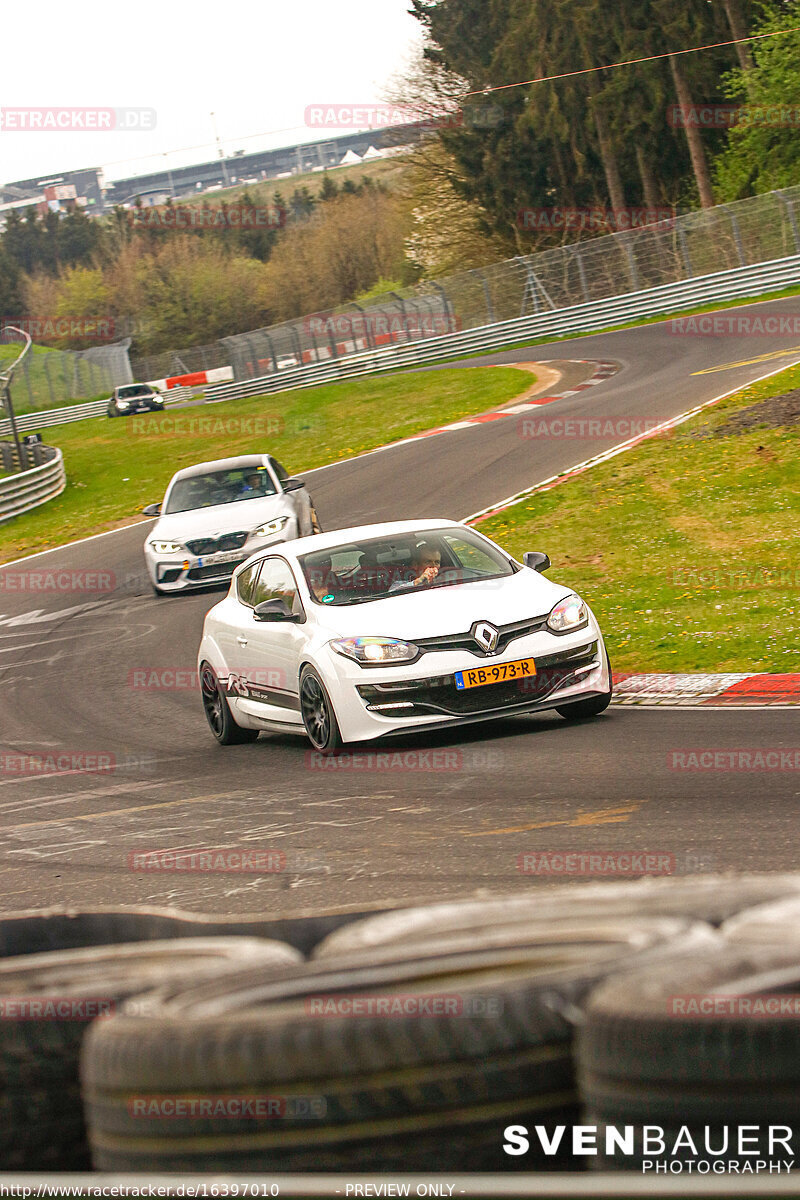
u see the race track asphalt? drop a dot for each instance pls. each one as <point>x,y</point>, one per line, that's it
<point>453,813</point>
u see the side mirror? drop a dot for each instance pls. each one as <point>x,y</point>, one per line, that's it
<point>536,560</point>
<point>293,485</point>
<point>273,610</point>
<point>152,510</point>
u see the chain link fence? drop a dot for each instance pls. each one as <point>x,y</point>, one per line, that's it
<point>49,378</point>
<point>747,232</point>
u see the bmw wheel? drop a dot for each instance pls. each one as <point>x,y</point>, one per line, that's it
<point>319,718</point>
<point>218,713</point>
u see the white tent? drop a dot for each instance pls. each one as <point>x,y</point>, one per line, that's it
<point>372,153</point>
<point>350,159</point>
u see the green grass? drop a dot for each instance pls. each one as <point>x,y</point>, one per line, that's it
<point>115,467</point>
<point>686,548</point>
<point>30,389</point>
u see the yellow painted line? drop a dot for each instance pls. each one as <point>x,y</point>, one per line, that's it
<point>601,816</point>
<point>117,812</point>
<point>749,362</point>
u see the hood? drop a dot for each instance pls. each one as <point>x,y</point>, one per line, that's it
<point>218,519</point>
<point>439,611</point>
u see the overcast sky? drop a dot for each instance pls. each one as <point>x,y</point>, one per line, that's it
<point>257,64</point>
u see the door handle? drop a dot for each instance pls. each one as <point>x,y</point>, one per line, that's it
<point>242,641</point>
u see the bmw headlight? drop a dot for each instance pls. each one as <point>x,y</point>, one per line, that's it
<point>271,527</point>
<point>123,404</point>
<point>568,615</point>
<point>375,651</point>
<point>167,547</point>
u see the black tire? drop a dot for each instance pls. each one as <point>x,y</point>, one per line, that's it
<point>417,1090</point>
<point>319,718</point>
<point>642,1060</point>
<point>583,710</point>
<point>218,713</point>
<point>41,1122</point>
<point>709,898</point>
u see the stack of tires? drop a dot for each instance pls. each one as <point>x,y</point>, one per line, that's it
<point>405,1040</point>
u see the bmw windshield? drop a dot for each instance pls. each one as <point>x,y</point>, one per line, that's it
<point>219,487</point>
<point>375,569</point>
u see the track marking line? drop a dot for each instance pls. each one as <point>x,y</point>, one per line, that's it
<point>601,816</point>
<point>117,812</point>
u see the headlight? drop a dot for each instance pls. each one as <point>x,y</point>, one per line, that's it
<point>569,614</point>
<point>373,651</point>
<point>270,527</point>
<point>123,404</point>
<point>167,547</point>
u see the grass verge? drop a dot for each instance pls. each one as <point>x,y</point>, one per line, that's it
<point>686,547</point>
<point>115,467</point>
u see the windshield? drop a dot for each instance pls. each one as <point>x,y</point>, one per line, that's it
<point>219,487</point>
<point>375,569</point>
<point>133,390</point>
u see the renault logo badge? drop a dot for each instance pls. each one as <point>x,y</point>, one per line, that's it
<point>486,636</point>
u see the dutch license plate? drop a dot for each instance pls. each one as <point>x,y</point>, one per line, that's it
<point>222,556</point>
<point>523,668</point>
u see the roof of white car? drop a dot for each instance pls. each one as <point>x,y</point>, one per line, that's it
<point>358,533</point>
<point>223,464</point>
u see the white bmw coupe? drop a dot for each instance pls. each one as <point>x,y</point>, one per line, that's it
<point>386,629</point>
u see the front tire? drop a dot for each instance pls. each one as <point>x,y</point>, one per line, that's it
<point>319,718</point>
<point>218,713</point>
<point>582,710</point>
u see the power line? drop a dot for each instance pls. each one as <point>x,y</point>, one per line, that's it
<point>630,62</point>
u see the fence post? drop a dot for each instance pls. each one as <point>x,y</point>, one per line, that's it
<point>789,205</point>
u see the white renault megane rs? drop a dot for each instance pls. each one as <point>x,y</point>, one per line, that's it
<point>386,629</point>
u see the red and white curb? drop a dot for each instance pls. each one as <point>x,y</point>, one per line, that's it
<point>603,371</point>
<point>193,379</point>
<point>730,690</point>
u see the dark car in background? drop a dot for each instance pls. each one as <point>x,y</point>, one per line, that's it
<point>131,398</point>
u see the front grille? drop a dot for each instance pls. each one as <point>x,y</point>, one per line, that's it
<point>440,695</point>
<point>214,570</point>
<point>228,541</point>
<point>465,641</point>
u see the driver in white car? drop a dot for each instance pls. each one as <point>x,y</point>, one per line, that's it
<point>426,562</point>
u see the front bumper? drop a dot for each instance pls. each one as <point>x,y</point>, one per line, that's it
<point>372,703</point>
<point>180,573</point>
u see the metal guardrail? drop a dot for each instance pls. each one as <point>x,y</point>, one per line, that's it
<point>580,318</point>
<point>81,412</point>
<point>25,490</point>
